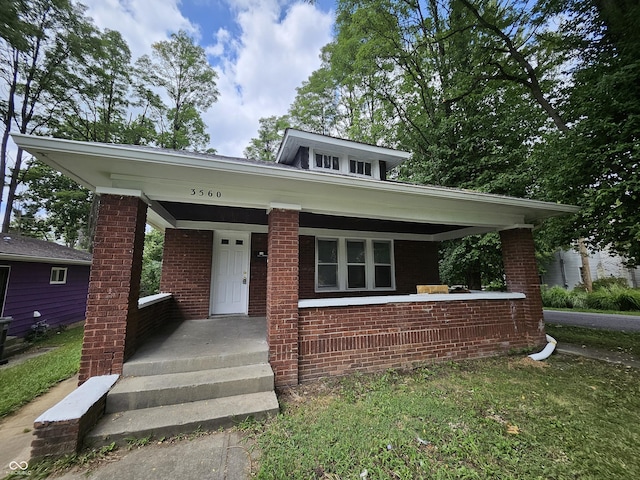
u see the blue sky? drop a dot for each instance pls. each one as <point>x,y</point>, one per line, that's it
<point>261,49</point>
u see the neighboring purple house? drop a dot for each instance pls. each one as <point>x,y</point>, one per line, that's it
<point>42,277</point>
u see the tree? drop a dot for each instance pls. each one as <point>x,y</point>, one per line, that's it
<point>180,69</point>
<point>54,207</point>
<point>151,263</point>
<point>270,133</point>
<point>34,76</point>
<point>595,163</point>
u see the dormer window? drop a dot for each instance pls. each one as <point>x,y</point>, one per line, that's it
<point>360,168</point>
<point>327,161</point>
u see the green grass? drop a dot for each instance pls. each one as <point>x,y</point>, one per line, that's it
<point>590,310</point>
<point>508,418</point>
<point>628,342</point>
<point>21,383</point>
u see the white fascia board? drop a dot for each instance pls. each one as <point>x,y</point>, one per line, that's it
<point>155,159</point>
<point>33,259</point>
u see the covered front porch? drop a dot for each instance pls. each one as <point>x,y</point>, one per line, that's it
<point>270,237</point>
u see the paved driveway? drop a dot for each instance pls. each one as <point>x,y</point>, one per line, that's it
<point>627,323</point>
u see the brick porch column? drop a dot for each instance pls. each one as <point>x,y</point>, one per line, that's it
<point>282,295</point>
<point>114,285</point>
<point>518,256</point>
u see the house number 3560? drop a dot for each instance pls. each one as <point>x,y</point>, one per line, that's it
<point>205,193</point>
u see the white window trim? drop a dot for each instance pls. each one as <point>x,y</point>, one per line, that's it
<point>343,266</point>
<point>64,277</point>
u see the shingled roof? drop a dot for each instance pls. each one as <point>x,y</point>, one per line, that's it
<point>26,249</point>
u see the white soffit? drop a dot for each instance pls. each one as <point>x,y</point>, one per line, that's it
<point>194,178</point>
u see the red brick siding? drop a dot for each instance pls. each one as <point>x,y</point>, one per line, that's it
<point>186,271</point>
<point>340,340</point>
<point>151,318</point>
<point>416,263</point>
<point>258,276</point>
<point>282,296</point>
<point>521,271</point>
<point>114,286</point>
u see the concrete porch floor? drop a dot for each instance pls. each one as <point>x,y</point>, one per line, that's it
<point>182,346</point>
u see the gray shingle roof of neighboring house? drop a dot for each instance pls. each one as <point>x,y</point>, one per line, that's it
<point>17,247</point>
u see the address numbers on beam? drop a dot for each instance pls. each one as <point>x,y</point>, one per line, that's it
<point>201,192</point>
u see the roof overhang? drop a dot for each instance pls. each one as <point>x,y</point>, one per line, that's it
<point>163,177</point>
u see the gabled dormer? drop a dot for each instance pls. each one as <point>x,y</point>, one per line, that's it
<point>315,152</point>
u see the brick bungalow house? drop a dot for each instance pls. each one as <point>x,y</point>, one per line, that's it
<point>321,243</point>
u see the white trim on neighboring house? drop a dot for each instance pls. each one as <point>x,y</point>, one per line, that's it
<point>33,259</point>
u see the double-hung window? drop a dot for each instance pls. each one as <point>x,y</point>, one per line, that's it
<point>344,264</point>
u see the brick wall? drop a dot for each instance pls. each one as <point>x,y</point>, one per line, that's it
<point>186,271</point>
<point>151,318</point>
<point>521,271</point>
<point>114,286</point>
<point>282,296</point>
<point>258,276</point>
<point>340,340</point>
<point>416,263</point>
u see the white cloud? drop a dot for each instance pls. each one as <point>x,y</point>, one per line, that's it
<point>277,47</point>
<point>276,51</point>
<point>141,22</point>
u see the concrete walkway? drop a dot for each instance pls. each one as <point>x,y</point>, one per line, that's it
<point>16,430</point>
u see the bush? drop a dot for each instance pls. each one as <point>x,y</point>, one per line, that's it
<point>556,297</point>
<point>609,282</point>
<point>612,297</point>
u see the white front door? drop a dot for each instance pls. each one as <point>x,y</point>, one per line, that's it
<point>230,272</point>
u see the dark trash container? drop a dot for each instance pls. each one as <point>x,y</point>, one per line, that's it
<point>4,328</point>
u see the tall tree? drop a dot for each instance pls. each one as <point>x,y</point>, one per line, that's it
<point>595,164</point>
<point>34,75</point>
<point>53,207</point>
<point>270,133</point>
<point>180,68</point>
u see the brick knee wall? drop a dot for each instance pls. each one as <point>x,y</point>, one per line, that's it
<point>341,340</point>
<point>186,271</point>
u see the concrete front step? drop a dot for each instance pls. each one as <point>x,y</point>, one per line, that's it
<point>132,393</point>
<point>185,418</point>
<point>139,368</point>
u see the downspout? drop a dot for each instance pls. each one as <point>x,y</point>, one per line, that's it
<point>547,351</point>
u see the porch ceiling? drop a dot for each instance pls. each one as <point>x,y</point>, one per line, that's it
<point>185,188</point>
<point>189,212</point>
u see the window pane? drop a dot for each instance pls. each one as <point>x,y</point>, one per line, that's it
<point>356,276</point>
<point>360,168</point>
<point>383,276</point>
<point>382,252</point>
<point>355,252</point>
<point>327,161</point>
<point>327,251</point>
<point>352,166</point>
<point>336,163</point>
<point>318,160</point>
<point>367,169</point>
<point>327,276</point>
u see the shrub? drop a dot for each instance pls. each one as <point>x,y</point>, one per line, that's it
<point>556,297</point>
<point>609,282</point>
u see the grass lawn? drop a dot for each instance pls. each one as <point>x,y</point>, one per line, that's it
<point>628,342</point>
<point>508,418</point>
<point>21,383</point>
<point>590,310</point>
